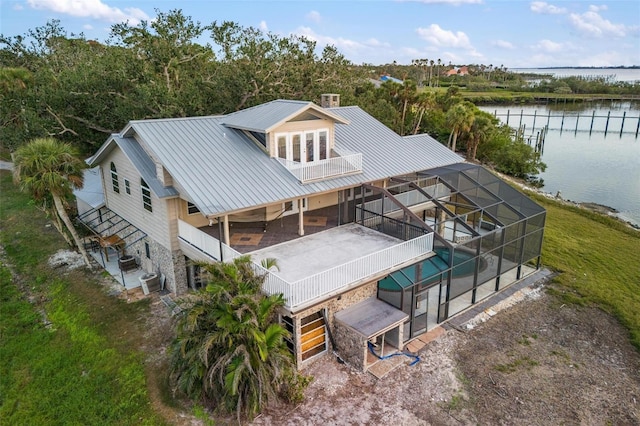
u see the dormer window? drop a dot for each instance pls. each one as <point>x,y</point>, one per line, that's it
<point>303,147</point>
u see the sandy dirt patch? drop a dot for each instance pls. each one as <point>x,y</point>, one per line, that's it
<point>537,362</point>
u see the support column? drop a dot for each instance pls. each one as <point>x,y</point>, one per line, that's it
<point>442,217</point>
<point>226,230</point>
<point>300,217</point>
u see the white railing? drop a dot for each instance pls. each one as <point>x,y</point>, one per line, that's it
<point>321,284</point>
<point>204,242</point>
<point>324,169</point>
<point>331,280</point>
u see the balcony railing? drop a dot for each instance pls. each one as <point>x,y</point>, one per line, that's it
<point>324,283</point>
<point>324,169</point>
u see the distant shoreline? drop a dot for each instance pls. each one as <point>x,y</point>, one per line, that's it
<point>621,67</point>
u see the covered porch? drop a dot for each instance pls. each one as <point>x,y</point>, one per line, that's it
<point>246,237</point>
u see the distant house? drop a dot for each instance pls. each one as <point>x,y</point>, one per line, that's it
<point>378,237</point>
<point>387,77</point>
<point>458,71</point>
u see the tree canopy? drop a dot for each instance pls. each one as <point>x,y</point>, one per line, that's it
<point>54,84</point>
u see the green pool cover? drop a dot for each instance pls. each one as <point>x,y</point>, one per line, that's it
<point>431,270</point>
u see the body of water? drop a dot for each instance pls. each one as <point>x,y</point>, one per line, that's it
<point>613,74</point>
<point>587,160</point>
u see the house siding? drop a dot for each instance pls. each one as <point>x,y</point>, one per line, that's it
<point>129,206</point>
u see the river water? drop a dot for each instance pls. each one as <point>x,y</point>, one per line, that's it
<point>611,74</point>
<point>587,160</point>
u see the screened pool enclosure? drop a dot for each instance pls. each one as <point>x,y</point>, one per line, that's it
<point>487,235</point>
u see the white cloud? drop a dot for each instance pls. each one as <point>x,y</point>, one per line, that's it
<point>548,46</point>
<point>546,8</point>
<point>592,24</point>
<point>344,44</point>
<point>440,37</point>
<point>503,44</point>
<point>594,8</point>
<point>374,42</point>
<point>87,27</point>
<point>314,16</point>
<point>95,9</point>
<point>18,6</point>
<point>263,26</point>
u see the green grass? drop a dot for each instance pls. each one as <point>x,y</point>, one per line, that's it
<point>84,367</point>
<point>597,257</point>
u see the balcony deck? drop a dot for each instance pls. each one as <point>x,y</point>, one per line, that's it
<point>301,258</point>
<point>251,236</point>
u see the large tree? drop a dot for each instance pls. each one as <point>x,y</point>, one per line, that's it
<point>481,129</point>
<point>230,351</point>
<point>50,170</point>
<point>459,118</point>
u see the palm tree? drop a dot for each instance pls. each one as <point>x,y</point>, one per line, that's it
<point>480,130</point>
<point>230,351</point>
<point>406,96</point>
<point>460,118</point>
<point>46,167</point>
<point>431,63</point>
<point>423,102</point>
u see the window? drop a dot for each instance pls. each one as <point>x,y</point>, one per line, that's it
<point>295,145</point>
<point>192,209</point>
<point>147,250</point>
<point>309,137</point>
<point>146,195</point>
<point>114,179</point>
<point>127,186</point>
<point>322,144</point>
<point>304,147</point>
<point>282,146</point>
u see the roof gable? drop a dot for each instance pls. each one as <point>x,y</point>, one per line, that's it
<point>140,160</point>
<point>266,117</point>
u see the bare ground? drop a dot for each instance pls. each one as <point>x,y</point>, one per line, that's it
<point>536,363</point>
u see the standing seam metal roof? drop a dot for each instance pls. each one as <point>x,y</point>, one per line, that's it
<point>262,118</point>
<point>222,170</point>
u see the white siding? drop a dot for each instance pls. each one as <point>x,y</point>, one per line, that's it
<point>129,206</point>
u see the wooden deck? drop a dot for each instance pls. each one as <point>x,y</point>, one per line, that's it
<point>246,237</point>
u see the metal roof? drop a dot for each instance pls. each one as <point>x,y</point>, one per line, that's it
<point>263,118</point>
<point>145,166</point>
<point>140,160</point>
<point>221,170</point>
<point>91,192</point>
<point>385,153</point>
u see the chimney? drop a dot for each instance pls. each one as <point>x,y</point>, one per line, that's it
<point>329,100</point>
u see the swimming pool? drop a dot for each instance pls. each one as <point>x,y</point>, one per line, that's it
<point>432,269</point>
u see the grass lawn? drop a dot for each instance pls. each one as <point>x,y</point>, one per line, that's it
<point>598,258</point>
<point>70,357</point>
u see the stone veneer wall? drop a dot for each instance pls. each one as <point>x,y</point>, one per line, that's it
<point>332,306</point>
<point>171,264</point>
<point>352,345</point>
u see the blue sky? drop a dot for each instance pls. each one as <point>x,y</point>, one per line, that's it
<point>513,33</point>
